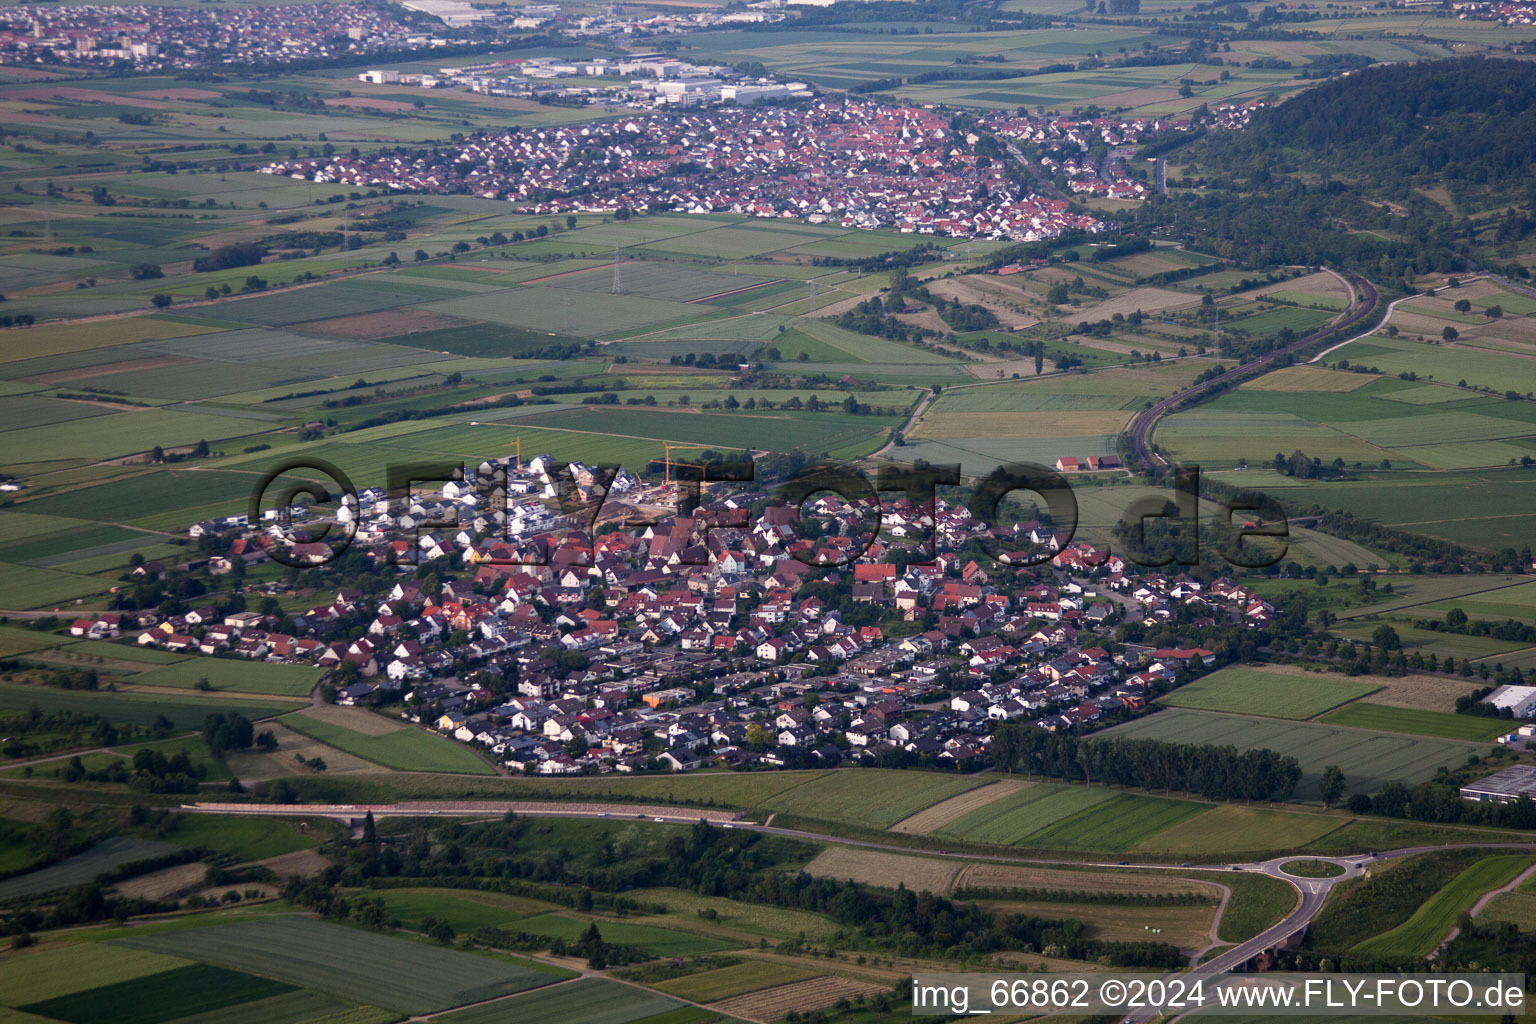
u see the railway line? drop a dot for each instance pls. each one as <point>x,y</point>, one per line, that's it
<point>1139,433</point>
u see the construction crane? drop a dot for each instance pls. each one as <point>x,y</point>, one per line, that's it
<point>680,447</point>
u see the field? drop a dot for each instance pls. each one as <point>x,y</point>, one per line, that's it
<point>1368,759</point>
<point>654,940</point>
<point>83,867</point>
<point>179,992</point>
<point>234,674</point>
<point>1258,691</point>
<point>802,996</point>
<point>1367,715</point>
<point>872,867</point>
<point>986,875</point>
<point>1229,831</point>
<point>724,982</point>
<point>185,713</point>
<point>406,748</point>
<point>856,797</point>
<point>934,817</point>
<point>590,1000</point>
<point>57,971</point>
<point>363,966</point>
<point>1421,933</point>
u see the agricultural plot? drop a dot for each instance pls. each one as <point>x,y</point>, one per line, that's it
<point>800,996</point>
<point>856,797</point>
<point>815,432</point>
<point>590,1000</point>
<point>564,310</point>
<point>942,813</point>
<point>1228,830</point>
<point>1418,936</point>
<point>465,911</point>
<point>873,867</point>
<point>179,992</point>
<point>1254,690</point>
<point>236,675</point>
<point>724,982</point>
<point>1451,363</point>
<point>374,969</point>
<point>654,940</point>
<point>406,749</point>
<point>1517,908</point>
<point>24,586</point>
<point>1309,378</point>
<point>82,867</point>
<point>1010,820</point>
<point>43,974</point>
<point>1116,824</point>
<point>1415,722</point>
<point>1368,759</point>
<point>185,713</point>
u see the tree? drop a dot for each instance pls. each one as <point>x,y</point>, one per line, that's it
<point>1463,305</point>
<point>370,833</point>
<point>1450,333</point>
<point>1332,785</point>
<point>1386,638</point>
<point>161,300</point>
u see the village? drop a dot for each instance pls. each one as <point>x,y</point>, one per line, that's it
<point>154,38</point>
<point>721,637</point>
<point>855,163</point>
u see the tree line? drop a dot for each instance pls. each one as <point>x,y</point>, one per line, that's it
<point>1203,769</point>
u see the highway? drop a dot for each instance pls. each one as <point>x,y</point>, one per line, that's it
<point>1139,433</point>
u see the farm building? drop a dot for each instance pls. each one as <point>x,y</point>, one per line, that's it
<point>1503,786</point>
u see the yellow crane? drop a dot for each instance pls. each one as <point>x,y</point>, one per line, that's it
<point>680,447</point>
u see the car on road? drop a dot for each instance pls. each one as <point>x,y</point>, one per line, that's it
<point>658,819</point>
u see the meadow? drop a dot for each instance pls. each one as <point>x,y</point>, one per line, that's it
<point>407,748</point>
<point>1254,690</point>
<point>1367,758</point>
<point>178,992</point>
<point>858,798</point>
<point>185,713</point>
<point>1384,718</point>
<point>235,675</point>
<point>1422,932</point>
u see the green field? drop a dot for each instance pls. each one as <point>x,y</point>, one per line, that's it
<point>1253,690</point>
<point>589,1000</point>
<point>1414,721</point>
<point>860,798</point>
<point>654,940</point>
<point>1368,759</point>
<point>83,867</point>
<point>1010,820</point>
<point>406,749</point>
<point>723,982</point>
<point>373,969</point>
<point>1421,933</point>
<point>185,713</point>
<point>1122,822</point>
<point>42,974</point>
<point>179,992</point>
<point>235,674</point>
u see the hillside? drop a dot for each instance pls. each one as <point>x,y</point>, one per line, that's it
<point>1392,172</point>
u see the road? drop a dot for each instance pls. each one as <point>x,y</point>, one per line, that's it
<point>1139,433</point>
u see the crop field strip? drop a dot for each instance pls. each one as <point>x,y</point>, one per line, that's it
<point>406,748</point>
<point>1418,936</point>
<point>590,1000</point>
<point>1367,758</point>
<point>1256,690</point>
<point>369,968</point>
